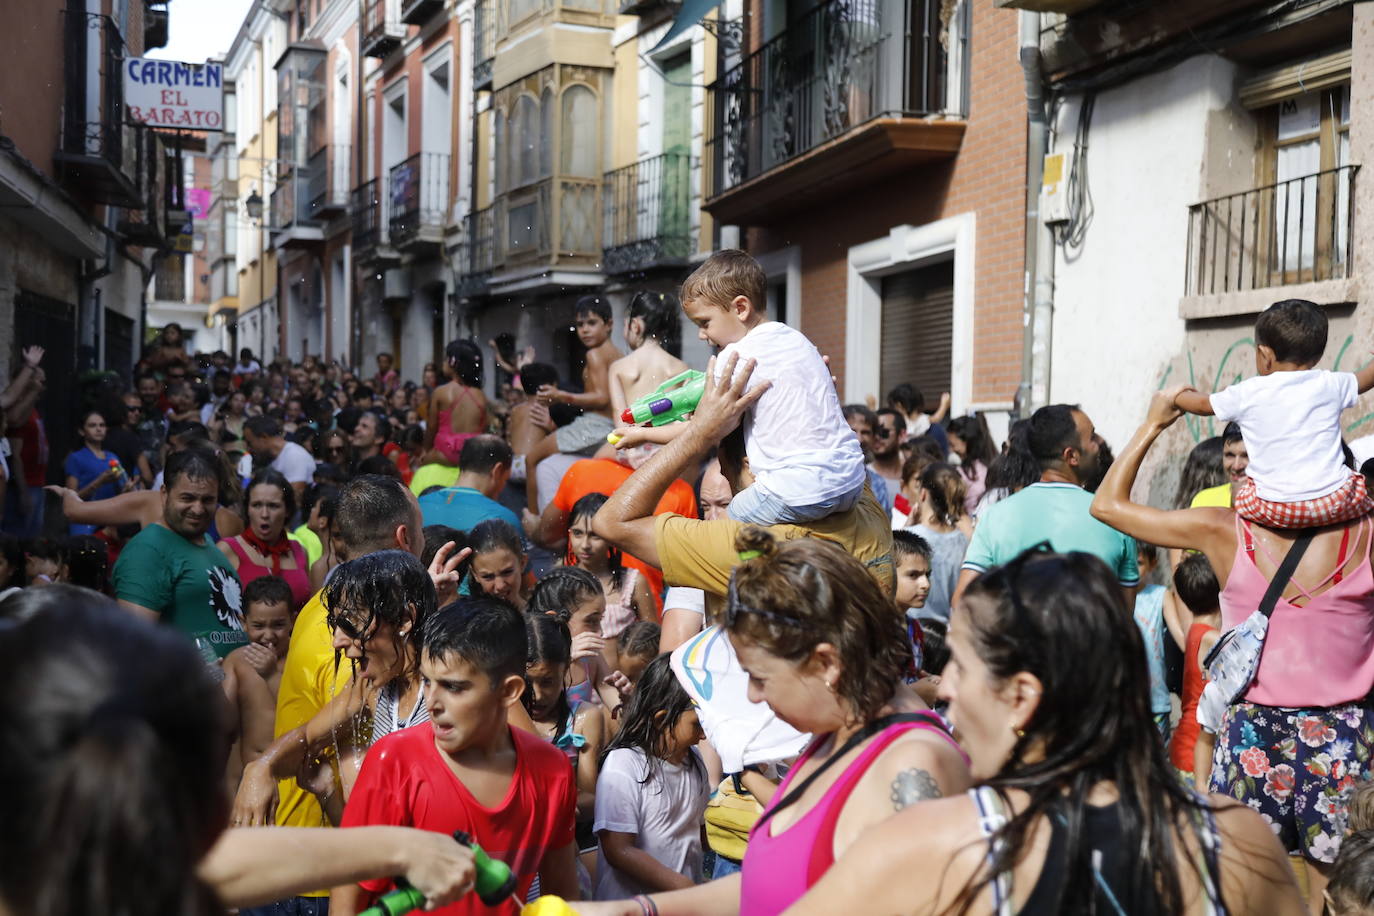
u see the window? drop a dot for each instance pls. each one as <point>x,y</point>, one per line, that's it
<point>1306,141</point>
<point>499,143</point>
<point>524,145</point>
<point>546,128</point>
<point>578,155</point>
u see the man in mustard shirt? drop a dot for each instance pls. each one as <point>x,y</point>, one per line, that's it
<point>374,513</point>
<point>701,554</point>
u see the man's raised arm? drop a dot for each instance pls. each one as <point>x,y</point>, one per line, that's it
<point>627,519</point>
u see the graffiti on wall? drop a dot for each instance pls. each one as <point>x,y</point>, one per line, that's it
<point>1238,362</point>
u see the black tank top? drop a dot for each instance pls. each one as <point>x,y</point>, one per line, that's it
<point>1102,835</point>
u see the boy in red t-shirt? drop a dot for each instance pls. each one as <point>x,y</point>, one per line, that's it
<point>467,768</point>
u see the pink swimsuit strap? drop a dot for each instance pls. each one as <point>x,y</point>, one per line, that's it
<point>774,882</point>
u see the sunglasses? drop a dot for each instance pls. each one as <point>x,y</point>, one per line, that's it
<point>882,432</point>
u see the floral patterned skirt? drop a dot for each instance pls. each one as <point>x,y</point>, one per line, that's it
<point>1296,767</point>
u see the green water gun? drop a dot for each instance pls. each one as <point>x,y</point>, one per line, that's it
<point>668,403</point>
<point>495,884</point>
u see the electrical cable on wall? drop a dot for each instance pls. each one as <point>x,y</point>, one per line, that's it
<point>1072,233</point>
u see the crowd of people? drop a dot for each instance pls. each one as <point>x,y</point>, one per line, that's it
<point>783,655</point>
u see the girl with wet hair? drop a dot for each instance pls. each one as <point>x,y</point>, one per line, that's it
<point>376,606</point>
<point>497,565</point>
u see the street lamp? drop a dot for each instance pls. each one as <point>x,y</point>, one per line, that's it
<point>254,205</point>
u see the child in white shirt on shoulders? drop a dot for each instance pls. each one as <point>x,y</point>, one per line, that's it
<point>1290,418</point>
<point>806,461</point>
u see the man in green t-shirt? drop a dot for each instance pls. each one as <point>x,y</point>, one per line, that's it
<point>171,572</point>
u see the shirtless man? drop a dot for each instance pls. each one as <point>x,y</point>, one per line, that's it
<point>588,432</point>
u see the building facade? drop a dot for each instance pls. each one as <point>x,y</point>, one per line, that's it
<point>86,205</point>
<point>1203,163</point>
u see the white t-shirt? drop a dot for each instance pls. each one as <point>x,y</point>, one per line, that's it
<point>665,815</point>
<point>683,598</point>
<point>799,445</point>
<point>1291,423</point>
<point>253,368</point>
<point>295,464</point>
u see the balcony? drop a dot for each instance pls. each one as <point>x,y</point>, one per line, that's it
<point>483,43</point>
<point>146,226</point>
<point>477,253</point>
<point>514,16</point>
<point>1294,233</point>
<point>383,30</point>
<point>292,225</point>
<point>418,12</point>
<point>419,201</point>
<point>155,26</point>
<point>551,223</point>
<point>370,211</point>
<point>849,93</point>
<point>97,153</point>
<point>648,214</point>
<point>330,172</point>
<point>169,282</point>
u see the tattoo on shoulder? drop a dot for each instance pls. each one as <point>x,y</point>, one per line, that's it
<point>912,786</point>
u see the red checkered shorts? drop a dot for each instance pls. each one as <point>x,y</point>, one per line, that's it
<point>1350,501</point>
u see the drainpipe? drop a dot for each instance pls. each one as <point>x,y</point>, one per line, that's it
<point>1038,309</point>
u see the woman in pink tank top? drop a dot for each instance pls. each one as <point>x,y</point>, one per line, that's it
<point>824,647</point>
<point>264,549</point>
<point>1301,736</point>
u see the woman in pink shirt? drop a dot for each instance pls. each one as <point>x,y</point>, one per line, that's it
<point>825,648</point>
<point>1303,734</point>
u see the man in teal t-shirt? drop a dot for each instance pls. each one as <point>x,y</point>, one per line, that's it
<point>1055,508</point>
<point>486,462</point>
<point>172,572</point>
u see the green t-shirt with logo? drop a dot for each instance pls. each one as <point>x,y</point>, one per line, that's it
<point>191,585</point>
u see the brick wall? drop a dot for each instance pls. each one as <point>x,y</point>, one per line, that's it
<point>986,177</point>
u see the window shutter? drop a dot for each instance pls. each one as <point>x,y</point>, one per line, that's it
<point>918,330</point>
<point>1283,83</point>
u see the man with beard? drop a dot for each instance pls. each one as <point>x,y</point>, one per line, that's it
<point>172,572</point>
<point>1054,509</point>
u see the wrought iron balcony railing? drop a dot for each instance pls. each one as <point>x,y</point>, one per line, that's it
<point>419,199</point>
<point>96,152</point>
<point>1294,231</point>
<point>648,214</point>
<point>369,209</point>
<point>483,43</point>
<point>330,170</point>
<point>477,253</point>
<point>841,65</point>
<point>383,30</point>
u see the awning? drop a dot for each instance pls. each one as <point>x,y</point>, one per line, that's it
<point>692,12</point>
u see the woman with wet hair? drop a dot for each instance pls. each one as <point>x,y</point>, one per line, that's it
<point>376,606</point>
<point>1077,809</point>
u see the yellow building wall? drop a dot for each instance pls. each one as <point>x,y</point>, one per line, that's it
<point>625,105</point>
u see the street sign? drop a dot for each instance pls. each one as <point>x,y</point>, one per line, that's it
<point>164,93</point>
